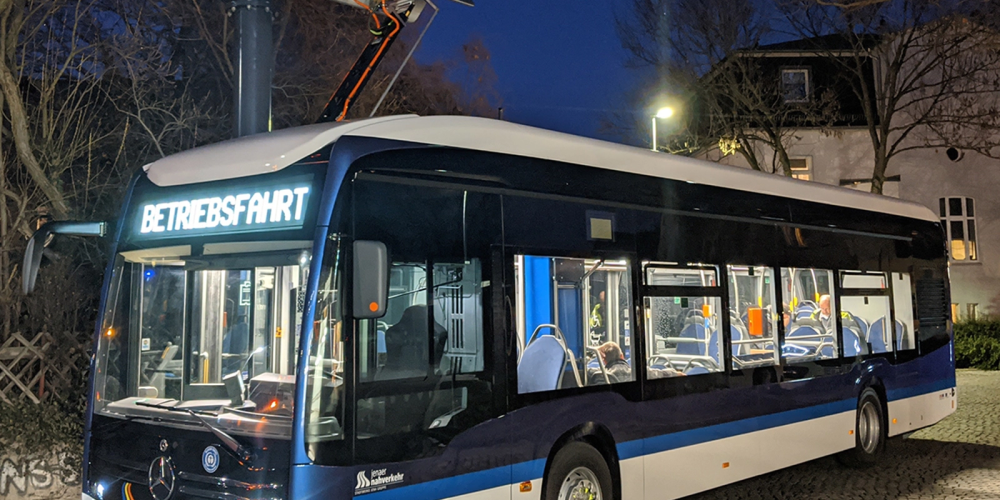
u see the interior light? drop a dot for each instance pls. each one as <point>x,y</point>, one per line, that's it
<point>100,491</point>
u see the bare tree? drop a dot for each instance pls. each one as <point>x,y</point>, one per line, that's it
<point>935,72</point>
<point>706,48</point>
<point>89,94</point>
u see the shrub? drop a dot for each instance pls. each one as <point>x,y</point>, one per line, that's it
<point>977,344</point>
<point>38,430</point>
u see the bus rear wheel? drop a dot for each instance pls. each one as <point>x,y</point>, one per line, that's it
<point>578,472</point>
<point>869,433</point>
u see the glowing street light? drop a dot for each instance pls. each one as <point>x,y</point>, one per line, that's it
<point>664,112</point>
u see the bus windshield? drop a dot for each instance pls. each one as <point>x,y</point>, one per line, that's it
<point>215,333</point>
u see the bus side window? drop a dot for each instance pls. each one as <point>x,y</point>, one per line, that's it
<point>808,315</point>
<point>752,310</point>
<point>684,331</point>
<point>865,313</point>
<point>573,321</point>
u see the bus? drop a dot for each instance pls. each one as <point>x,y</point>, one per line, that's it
<point>464,308</point>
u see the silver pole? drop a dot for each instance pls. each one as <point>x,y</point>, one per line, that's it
<point>654,133</point>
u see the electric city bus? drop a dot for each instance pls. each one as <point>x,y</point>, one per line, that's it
<point>453,307</point>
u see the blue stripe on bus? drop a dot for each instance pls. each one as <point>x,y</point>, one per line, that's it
<point>535,469</point>
<point>526,471</point>
<point>665,442</point>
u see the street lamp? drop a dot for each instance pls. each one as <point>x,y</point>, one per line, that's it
<point>664,112</point>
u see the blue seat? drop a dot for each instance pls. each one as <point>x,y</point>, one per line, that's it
<point>697,370</point>
<point>902,341</point>
<point>736,334</point>
<point>852,343</point>
<point>542,365</point>
<point>862,325</point>
<point>875,336</point>
<point>713,343</point>
<point>801,331</point>
<point>692,331</point>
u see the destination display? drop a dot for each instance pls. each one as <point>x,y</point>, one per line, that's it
<point>239,210</point>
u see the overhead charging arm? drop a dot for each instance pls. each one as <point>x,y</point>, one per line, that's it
<point>396,13</point>
<point>385,33</point>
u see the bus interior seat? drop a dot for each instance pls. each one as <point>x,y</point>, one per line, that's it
<point>713,346</point>
<point>406,345</point>
<point>876,335</point>
<point>861,324</point>
<point>542,365</point>
<point>852,343</point>
<point>694,328</point>
<point>741,333</point>
<point>157,380</point>
<point>697,370</point>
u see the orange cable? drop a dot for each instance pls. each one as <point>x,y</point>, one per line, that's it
<point>369,9</point>
<point>378,54</point>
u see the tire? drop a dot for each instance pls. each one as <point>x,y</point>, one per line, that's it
<point>869,432</point>
<point>574,471</point>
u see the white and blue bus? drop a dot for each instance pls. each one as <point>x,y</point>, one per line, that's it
<point>452,307</point>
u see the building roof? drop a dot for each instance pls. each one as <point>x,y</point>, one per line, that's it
<point>834,42</point>
<point>274,151</point>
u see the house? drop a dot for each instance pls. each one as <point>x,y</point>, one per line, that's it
<point>957,184</point>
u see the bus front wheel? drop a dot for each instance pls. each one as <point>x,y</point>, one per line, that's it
<point>578,472</point>
<point>869,433</point>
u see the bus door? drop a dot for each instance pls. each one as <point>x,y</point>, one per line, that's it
<point>426,371</point>
<point>245,317</point>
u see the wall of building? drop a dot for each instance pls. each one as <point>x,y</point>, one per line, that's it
<point>926,175</point>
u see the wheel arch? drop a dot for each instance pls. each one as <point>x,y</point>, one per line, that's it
<point>598,436</point>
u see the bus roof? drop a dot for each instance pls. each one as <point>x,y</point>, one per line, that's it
<point>274,151</point>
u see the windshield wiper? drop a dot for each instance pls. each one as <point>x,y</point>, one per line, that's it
<point>242,453</point>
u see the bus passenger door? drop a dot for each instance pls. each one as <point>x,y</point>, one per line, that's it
<point>426,371</point>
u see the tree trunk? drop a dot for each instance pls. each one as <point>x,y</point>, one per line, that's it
<point>878,174</point>
<point>4,249</point>
<point>22,142</point>
<point>786,163</point>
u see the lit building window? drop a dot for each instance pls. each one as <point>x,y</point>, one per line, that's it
<point>801,168</point>
<point>954,313</point>
<point>972,311</point>
<point>795,85</point>
<point>958,217</point>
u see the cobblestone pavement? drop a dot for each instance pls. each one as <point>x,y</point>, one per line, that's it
<point>958,458</point>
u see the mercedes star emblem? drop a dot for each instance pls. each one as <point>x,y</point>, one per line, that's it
<point>164,445</point>
<point>161,478</point>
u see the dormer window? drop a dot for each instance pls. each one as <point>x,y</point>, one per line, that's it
<point>795,85</point>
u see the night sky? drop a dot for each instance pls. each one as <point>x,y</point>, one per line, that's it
<point>559,65</point>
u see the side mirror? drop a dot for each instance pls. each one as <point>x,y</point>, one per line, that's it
<point>371,279</point>
<point>42,238</point>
